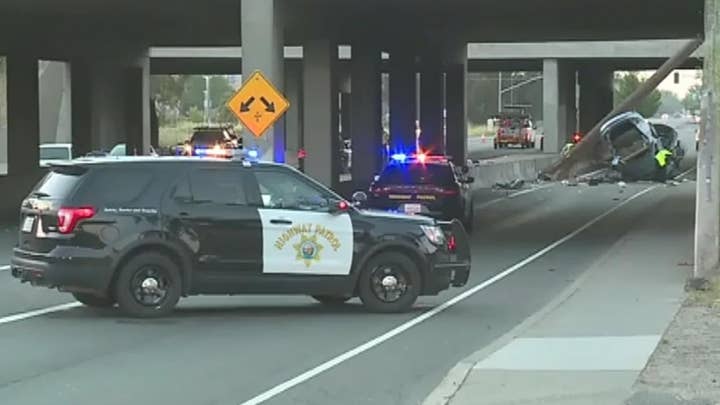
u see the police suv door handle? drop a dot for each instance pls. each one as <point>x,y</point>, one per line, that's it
<point>281,222</point>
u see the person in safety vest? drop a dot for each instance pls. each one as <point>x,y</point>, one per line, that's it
<point>661,159</point>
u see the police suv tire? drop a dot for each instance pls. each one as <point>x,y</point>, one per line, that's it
<point>332,299</point>
<point>134,267</point>
<point>94,301</point>
<point>399,262</point>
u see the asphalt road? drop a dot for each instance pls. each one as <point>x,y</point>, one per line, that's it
<point>228,350</point>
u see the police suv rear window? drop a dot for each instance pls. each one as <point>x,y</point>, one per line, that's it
<point>415,173</point>
<point>57,184</point>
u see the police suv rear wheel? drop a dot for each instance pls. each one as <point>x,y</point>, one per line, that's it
<point>148,286</point>
<point>390,282</point>
<point>94,301</point>
<point>332,299</point>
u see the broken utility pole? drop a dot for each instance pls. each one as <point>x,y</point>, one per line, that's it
<point>588,152</point>
<point>707,204</point>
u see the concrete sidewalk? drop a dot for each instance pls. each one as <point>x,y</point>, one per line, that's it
<point>589,345</point>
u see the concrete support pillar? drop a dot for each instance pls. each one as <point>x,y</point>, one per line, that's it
<point>558,104</point>
<point>82,107</point>
<point>456,105</point>
<point>293,117</point>
<point>432,99</point>
<point>403,100</point>
<point>111,101</point>
<point>22,114</point>
<point>262,28</point>
<point>366,110</point>
<point>596,95</point>
<point>707,201</point>
<point>320,115</point>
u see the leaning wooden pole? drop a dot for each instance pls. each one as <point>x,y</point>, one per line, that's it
<point>707,203</point>
<point>587,150</point>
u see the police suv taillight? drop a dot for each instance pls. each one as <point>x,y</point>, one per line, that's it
<point>68,218</point>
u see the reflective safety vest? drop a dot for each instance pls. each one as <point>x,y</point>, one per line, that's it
<point>662,156</point>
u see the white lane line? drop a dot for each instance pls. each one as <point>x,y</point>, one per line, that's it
<point>279,389</point>
<point>38,312</point>
<point>513,195</point>
<point>4,268</point>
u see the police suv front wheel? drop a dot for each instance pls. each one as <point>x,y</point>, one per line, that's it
<point>390,282</point>
<point>148,286</point>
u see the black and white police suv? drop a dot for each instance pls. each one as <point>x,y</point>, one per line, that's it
<point>143,232</point>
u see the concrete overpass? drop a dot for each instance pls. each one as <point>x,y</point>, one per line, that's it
<point>108,48</point>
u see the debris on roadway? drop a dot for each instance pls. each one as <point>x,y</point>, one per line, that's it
<point>516,184</point>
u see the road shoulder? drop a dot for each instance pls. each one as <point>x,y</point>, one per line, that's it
<point>584,347</point>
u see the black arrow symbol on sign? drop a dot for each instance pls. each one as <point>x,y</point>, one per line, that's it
<point>245,107</point>
<point>269,107</point>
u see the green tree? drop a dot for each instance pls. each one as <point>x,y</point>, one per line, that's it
<point>194,94</point>
<point>626,84</point>
<point>167,90</point>
<point>692,99</point>
<point>670,103</point>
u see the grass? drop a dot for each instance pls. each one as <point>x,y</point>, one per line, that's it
<point>708,295</point>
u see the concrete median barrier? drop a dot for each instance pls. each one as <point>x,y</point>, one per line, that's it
<point>504,169</point>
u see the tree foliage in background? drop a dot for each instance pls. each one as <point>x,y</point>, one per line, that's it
<point>670,103</point>
<point>626,84</point>
<point>184,95</point>
<point>692,100</point>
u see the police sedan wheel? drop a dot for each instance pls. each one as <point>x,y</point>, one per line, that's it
<point>148,286</point>
<point>389,283</point>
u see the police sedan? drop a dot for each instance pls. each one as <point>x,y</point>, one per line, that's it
<point>422,184</point>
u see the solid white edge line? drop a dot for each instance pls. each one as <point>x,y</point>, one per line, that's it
<point>38,312</point>
<point>4,268</point>
<point>279,389</point>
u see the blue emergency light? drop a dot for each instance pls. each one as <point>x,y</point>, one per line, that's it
<point>400,157</point>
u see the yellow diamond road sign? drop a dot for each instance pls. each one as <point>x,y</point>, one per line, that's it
<point>258,104</point>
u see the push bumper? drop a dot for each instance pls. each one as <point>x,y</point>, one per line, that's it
<point>74,273</point>
<point>445,274</point>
